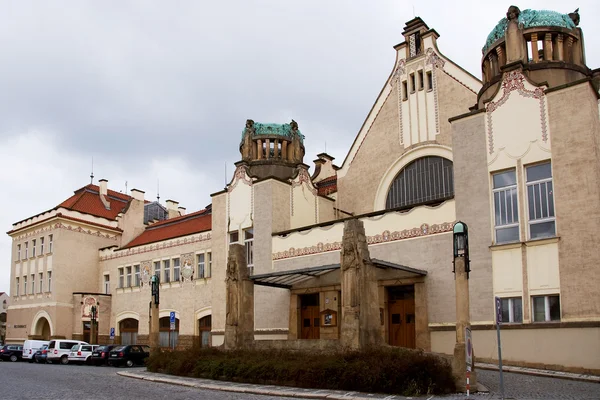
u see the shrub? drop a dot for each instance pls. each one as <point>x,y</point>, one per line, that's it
<point>385,370</point>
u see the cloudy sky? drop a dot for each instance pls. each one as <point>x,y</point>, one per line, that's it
<point>161,90</point>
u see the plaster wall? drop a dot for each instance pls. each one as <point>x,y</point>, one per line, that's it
<point>219,254</point>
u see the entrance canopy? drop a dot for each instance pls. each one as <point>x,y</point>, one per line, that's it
<point>287,279</point>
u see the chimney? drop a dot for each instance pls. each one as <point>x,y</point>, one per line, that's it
<point>181,210</point>
<point>137,194</point>
<point>103,184</point>
<point>172,208</point>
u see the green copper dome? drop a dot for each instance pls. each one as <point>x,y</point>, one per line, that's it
<point>529,19</point>
<point>275,129</point>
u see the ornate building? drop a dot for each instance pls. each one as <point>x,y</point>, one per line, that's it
<point>516,156</point>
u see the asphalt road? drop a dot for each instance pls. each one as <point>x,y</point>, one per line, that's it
<point>21,380</point>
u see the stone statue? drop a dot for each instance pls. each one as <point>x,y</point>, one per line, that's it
<point>575,17</point>
<point>294,126</point>
<point>513,13</point>
<point>231,313</point>
<point>249,124</point>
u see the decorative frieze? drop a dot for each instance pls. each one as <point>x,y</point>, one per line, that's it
<point>157,246</point>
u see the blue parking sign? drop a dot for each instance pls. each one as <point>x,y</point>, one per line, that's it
<point>172,317</point>
<point>112,333</point>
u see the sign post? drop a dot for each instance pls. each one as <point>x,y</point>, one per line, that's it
<point>172,323</point>
<point>498,303</point>
<point>469,357</point>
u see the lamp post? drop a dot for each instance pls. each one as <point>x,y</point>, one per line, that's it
<point>463,351</point>
<point>94,315</point>
<point>154,304</point>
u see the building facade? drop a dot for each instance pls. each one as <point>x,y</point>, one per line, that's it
<point>515,156</point>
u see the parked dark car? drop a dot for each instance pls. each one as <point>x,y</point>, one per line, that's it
<point>11,352</point>
<point>41,355</point>
<point>100,355</point>
<point>129,355</point>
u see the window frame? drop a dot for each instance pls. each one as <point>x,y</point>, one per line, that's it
<point>249,248</point>
<point>200,265</point>
<point>166,266</point>
<point>510,301</point>
<point>19,252</point>
<point>507,191</point>
<point>41,289</point>
<point>176,269</point>
<point>26,250</point>
<point>121,271</point>
<point>33,243</point>
<point>49,275</point>
<point>128,275</point>
<point>50,243</point>
<point>18,286</point>
<point>549,198</point>
<point>106,283</point>
<point>547,308</point>
<point>25,285</point>
<point>32,284</point>
<point>42,246</point>
<point>137,279</point>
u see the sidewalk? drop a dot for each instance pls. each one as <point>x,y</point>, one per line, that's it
<point>541,372</point>
<point>271,390</point>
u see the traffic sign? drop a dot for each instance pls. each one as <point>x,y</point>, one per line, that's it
<point>172,317</point>
<point>172,326</point>
<point>468,348</point>
<point>498,302</point>
<point>112,333</point>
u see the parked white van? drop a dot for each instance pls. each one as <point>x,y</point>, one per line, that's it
<point>30,347</point>
<point>59,349</point>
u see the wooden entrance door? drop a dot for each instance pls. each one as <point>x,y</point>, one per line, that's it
<point>401,309</point>
<point>309,316</point>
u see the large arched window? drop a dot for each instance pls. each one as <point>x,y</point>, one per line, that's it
<point>168,337</point>
<point>129,331</point>
<point>424,180</point>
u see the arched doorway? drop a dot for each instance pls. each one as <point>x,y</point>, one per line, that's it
<point>167,337</point>
<point>128,329</point>
<point>42,329</point>
<point>204,326</point>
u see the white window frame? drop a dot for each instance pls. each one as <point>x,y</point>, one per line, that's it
<point>121,277</point>
<point>32,284</point>
<point>237,240</point>
<point>18,286</point>
<point>157,264</point>
<point>136,275</point>
<point>50,243</point>
<point>200,265</point>
<point>49,273</point>
<point>550,210</point>
<point>42,246</point>
<point>41,289</point>
<point>128,275</point>
<point>176,269</point>
<point>249,247</point>
<point>106,283</point>
<point>33,242</point>
<point>208,272</point>
<point>25,285</point>
<point>166,266</point>
<point>504,192</point>
<point>547,316</point>
<point>26,250</point>
<point>18,252</point>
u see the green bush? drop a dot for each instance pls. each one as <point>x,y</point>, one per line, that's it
<point>386,370</point>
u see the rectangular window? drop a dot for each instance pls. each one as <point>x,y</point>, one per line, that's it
<point>176,270</point>
<point>540,201</point>
<point>546,308</point>
<point>32,283</point>
<point>167,271</point>
<point>49,281</point>
<point>128,271</point>
<point>26,250</point>
<point>41,289</point>
<point>234,237</point>
<point>249,245</point>
<point>41,246</point>
<point>106,284</point>
<point>208,265</point>
<point>404,90</point>
<point>429,80</point>
<point>121,277</point>
<point>17,283</point>
<point>50,237</point>
<point>512,310</point>
<point>18,252</point>
<point>421,80</point>
<point>33,248</point>
<point>506,206</point>
<point>200,262</point>
<point>136,275</point>
<point>157,268</point>
<point>412,83</point>
<point>24,285</point>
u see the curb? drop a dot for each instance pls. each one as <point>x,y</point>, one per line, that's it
<point>540,372</point>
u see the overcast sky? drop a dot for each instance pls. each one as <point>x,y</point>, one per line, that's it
<point>161,90</point>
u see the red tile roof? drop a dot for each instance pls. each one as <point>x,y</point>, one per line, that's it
<point>189,224</point>
<point>327,186</point>
<point>87,201</point>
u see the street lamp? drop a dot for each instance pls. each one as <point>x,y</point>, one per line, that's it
<point>461,245</point>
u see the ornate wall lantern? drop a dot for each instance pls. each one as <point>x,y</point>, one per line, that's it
<point>461,245</point>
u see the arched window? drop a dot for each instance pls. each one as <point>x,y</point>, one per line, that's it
<point>167,337</point>
<point>129,331</point>
<point>424,180</point>
<point>204,326</point>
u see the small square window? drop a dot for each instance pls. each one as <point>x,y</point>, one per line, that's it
<point>404,90</point>
<point>546,308</point>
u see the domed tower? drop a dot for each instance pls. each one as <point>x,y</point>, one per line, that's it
<point>272,149</point>
<point>547,44</point>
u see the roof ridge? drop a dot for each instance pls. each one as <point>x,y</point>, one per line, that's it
<point>177,219</point>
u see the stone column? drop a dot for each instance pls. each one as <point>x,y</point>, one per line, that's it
<point>154,326</point>
<point>259,147</point>
<point>459,363</point>
<point>558,48</point>
<point>284,150</point>
<point>268,149</point>
<point>501,58</point>
<point>360,324</point>
<point>276,154</point>
<point>535,55</point>
<point>548,47</point>
<point>239,317</point>
<point>422,336</point>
